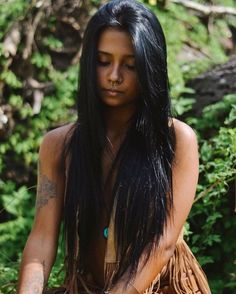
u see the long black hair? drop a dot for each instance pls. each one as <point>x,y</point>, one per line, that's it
<point>143,182</point>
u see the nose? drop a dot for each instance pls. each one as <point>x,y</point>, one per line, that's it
<point>115,74</point>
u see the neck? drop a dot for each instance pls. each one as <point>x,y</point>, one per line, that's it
<point>117,121</point>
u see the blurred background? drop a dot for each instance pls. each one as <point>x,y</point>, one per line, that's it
<point>40,42</point>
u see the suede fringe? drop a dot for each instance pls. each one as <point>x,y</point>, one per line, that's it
<point>182,275</point>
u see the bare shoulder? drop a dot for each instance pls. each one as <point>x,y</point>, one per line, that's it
<point>186,139</point>
<point>54,141</point>
<point>58,135</point>
<point>184,133</point>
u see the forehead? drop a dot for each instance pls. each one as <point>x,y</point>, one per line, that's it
<point>115,42</point>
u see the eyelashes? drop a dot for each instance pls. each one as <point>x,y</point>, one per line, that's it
<point>103,63</point>
<point>107,63</point>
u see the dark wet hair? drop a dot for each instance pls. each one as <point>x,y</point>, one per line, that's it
<point>143,181</point>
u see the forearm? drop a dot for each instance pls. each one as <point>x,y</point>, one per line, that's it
<point>32,279</point>
<point>145,274</point>
<point>38,258</point>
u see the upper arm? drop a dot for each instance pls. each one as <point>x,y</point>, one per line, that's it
<point>50,186</point>
<point>185,178</point>
<point>40,249</point>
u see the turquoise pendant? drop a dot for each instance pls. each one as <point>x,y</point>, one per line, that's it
<point>105,232</point>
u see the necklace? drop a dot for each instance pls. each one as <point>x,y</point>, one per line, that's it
<point>106,229</point>
<point>105,232</point>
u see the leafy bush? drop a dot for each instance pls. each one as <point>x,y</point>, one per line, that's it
<point>212,215</point>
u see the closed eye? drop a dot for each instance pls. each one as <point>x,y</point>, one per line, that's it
<point>107,63</point>
<point>131,67</point>
<point>103,63</point>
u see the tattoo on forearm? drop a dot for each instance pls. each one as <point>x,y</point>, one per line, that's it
<point>46,189</point>
<point>34,284</point>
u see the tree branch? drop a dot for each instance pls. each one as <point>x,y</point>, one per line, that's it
<point>12,40</point>
<point>210,188</point>
<point>206,10</point>
<point>32,27</point>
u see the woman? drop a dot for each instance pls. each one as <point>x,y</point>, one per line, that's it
<point>126,178</point>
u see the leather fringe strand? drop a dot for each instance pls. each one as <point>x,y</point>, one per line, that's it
<point>182,275</point>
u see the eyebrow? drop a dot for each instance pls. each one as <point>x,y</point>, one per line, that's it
<point>107,53</point>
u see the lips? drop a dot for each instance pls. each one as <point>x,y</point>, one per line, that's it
<point>112,92</point>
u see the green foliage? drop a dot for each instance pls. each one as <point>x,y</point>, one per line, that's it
<point>10,79</point>
<point>182,28</point>
<point>52,42</point>
<point>41,60</point>
<point>10,13</point>
<point>212,215</point>
<point>19,153</point>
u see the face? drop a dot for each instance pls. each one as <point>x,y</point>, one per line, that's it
<point>117,78</point>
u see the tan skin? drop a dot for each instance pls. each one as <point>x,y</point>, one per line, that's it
<point>115,63</point>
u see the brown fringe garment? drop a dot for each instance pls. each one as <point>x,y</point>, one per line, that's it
<point>181,275</point>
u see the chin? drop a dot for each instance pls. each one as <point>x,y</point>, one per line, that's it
<point>119,101</point>
<point>112,102</point>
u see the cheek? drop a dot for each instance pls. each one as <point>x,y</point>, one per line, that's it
<point>134,85</point>
<point>100,76</point>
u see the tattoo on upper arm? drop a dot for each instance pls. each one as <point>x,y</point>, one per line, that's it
<point>46,189</point>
